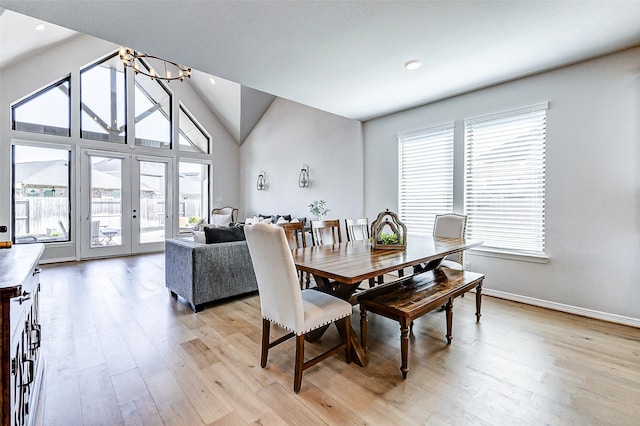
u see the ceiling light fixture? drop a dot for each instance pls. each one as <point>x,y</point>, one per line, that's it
<point>413,64</point>
<point>40,27</point>
<point>172,71</point>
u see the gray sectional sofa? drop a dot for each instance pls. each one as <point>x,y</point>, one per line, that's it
<point>203,273</point>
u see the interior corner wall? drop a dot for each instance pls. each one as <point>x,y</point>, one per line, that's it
<point>290,135</point>
<point>592,206</point>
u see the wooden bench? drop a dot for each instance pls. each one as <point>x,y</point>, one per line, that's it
<point>410,298</point>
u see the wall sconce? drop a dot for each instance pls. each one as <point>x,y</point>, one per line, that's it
<point>262,181</point>
<point>303,180</point>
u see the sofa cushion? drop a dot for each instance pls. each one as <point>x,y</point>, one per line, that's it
<point>199,237</point>
<point>215,235</point>
<point>220,219</point>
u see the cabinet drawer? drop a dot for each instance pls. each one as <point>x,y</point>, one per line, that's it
<point>24,301</point>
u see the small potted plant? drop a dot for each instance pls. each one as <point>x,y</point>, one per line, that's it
<point>319,209</point>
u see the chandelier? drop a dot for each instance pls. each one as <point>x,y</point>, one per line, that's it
<point>151,64</point>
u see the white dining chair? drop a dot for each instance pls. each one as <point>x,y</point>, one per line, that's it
<point>284,303</point>
<point>357,230</point>
<point>448,225</point>
<point>451,225</point>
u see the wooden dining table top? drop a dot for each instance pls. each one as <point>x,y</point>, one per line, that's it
<point>355,261</point>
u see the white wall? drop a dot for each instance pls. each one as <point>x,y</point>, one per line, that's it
<point>592,187</point>
<point>23,78</point>
<point>290,134</point>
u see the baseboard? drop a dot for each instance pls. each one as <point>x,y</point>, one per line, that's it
<point>590,313</point>
<point>58,260</point>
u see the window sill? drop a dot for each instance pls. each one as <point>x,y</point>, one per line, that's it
<point>510,255</point>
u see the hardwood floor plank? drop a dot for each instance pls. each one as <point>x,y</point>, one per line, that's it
<point>202,394</point>
<point>141,410</point>
<point>120,350</point>
<point>164,389</point>
<point>99,404</point>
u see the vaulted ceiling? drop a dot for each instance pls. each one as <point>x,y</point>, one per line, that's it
<point>346,57</point>
<point>238,108</point>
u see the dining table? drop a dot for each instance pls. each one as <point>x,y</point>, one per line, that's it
<point>338,269</point>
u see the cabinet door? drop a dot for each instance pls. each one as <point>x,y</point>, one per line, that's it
<point>17,377</point>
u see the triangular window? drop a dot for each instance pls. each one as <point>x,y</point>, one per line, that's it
<point>103,100</point>
<point>46,111</point>
<point>192,137</point>
<point>153,113</point>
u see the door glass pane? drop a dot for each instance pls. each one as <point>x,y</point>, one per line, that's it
<point>41,194</point>
<point>152,201</point>
<point>47,111</point>
<point>153,113</point>
<point>106,201</point>
<point>194,195</point>
<point>102,101</point>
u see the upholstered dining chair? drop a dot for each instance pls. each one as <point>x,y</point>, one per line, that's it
<point>358,229</point>
<point>449,225</point>
<point>295,234</point>
<point>284,303</point>
<point>232,211</point>
<point>324,232</point>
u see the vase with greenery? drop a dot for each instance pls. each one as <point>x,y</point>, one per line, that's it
<point>319,209</point>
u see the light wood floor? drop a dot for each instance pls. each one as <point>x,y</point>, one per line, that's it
<point>119,350</point>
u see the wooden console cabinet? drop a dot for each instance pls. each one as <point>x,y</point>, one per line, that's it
<point>21,363</point>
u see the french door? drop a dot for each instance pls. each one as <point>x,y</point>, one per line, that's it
<point>124,203</point>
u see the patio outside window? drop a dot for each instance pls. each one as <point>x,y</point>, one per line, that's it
<point>41,194</point>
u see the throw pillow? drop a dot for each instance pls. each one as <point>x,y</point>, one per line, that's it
<point>281,219</point>
<point>223,235</point>
<point>220,219</point>
<point>199,237</point>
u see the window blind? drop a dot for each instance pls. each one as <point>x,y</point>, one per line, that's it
<point>425,180</point>
<point>505,179</point>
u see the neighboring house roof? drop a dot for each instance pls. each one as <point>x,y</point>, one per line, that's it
<point>55,173</point>
<point>43,173</point>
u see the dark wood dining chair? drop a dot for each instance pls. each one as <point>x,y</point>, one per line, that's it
<point>324,232</point>
<point>358,229</point>
<point>295,234</point>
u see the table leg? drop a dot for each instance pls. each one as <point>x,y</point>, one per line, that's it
<point>404,347</point>
<point>478,300</point>
<point>344,292</point>
<point>449,308</point>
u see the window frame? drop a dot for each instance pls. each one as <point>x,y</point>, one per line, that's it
<point>169,117</point>
<point>185,110</point>
<point>207,197</point>
<point>517,253</point>
<point>444,134</point>
<point>125,128</point>
<point>70,190</point>
<point>36,94</point>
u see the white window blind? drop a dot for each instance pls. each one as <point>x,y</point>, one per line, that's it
<point>425,180</point>
<point>505,179</point>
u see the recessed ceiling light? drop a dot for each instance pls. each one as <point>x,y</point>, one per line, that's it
<point>413,64</point>
<point>212,80</point>
<point>40,27</point>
